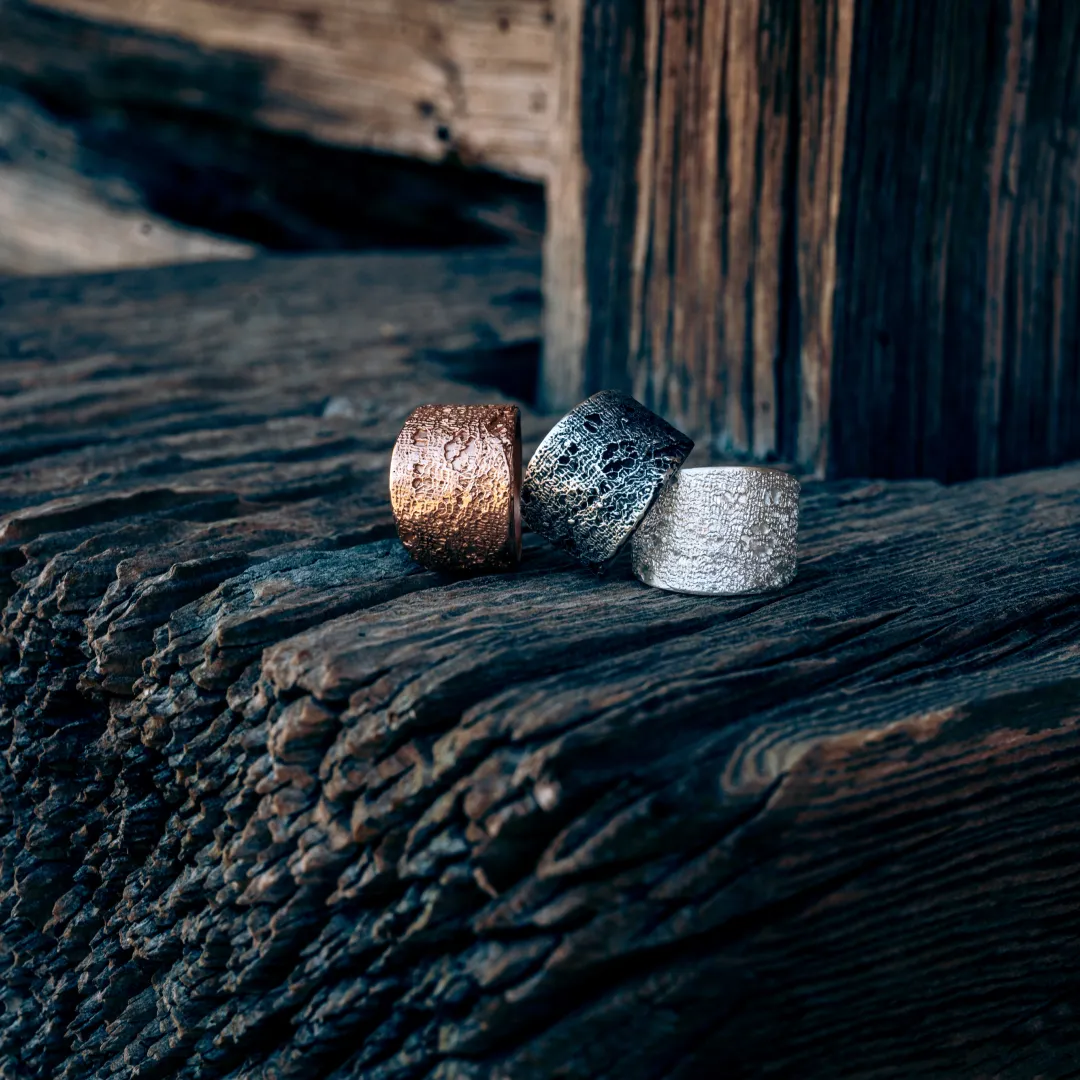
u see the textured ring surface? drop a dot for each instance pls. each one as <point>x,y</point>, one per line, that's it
<point>455,486</point>
<point>721,531</point>
<point>595,475</point>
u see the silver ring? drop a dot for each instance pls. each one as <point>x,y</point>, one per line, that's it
<point>594,477</point>
<point>721,532</point>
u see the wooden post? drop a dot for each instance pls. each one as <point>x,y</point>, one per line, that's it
<point>837,232</point>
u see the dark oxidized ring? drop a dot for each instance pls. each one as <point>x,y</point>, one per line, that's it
<point>595,475</point>
<point>721,532</point>
<point>455,485</point>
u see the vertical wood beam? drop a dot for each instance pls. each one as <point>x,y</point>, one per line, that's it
<point>706,306</point>
<point>842,232</point>
<point>593,198</point>
<point>567,307</point>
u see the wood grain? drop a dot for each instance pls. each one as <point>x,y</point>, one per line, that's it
<point>825,45</point>
<point>855,229</point>
<point>142,134</point>
<point>422,78</point>
<point>276,802</point>
<point>566,322</point>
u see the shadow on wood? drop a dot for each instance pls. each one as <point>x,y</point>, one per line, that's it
<point>122,146</point>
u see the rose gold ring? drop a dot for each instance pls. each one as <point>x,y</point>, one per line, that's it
<point>455,486</point>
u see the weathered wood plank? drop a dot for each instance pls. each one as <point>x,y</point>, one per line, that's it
<point>854,228</point>
<point>276,802</point>
<point>415,77</point>
<point>142,134</point>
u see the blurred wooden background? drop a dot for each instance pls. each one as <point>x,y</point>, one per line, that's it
<point>839,234</point>
<point>142,131</point>
<point>428,78</point>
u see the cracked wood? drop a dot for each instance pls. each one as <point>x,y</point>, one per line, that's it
<point>278,803</point>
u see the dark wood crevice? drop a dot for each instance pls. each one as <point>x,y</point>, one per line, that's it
<point>277,191</point>
<point>161,141</point>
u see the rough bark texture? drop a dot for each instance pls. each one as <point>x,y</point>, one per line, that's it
<point>277,803</point>
<point>841,232</point>
<point>122,145</point>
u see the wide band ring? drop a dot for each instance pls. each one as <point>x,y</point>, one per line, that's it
<point>455,487</point>
<point>594,477</point>
<point>721,531</point>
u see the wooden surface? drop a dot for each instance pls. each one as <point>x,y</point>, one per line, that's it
<point>843,233</point>
<point>277,803</point>
<point>143,134</point>
<point>422,78</point>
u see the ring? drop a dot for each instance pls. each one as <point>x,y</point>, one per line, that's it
<point>721,531</point>
<point>455,486</point>
<point>594,477</point>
